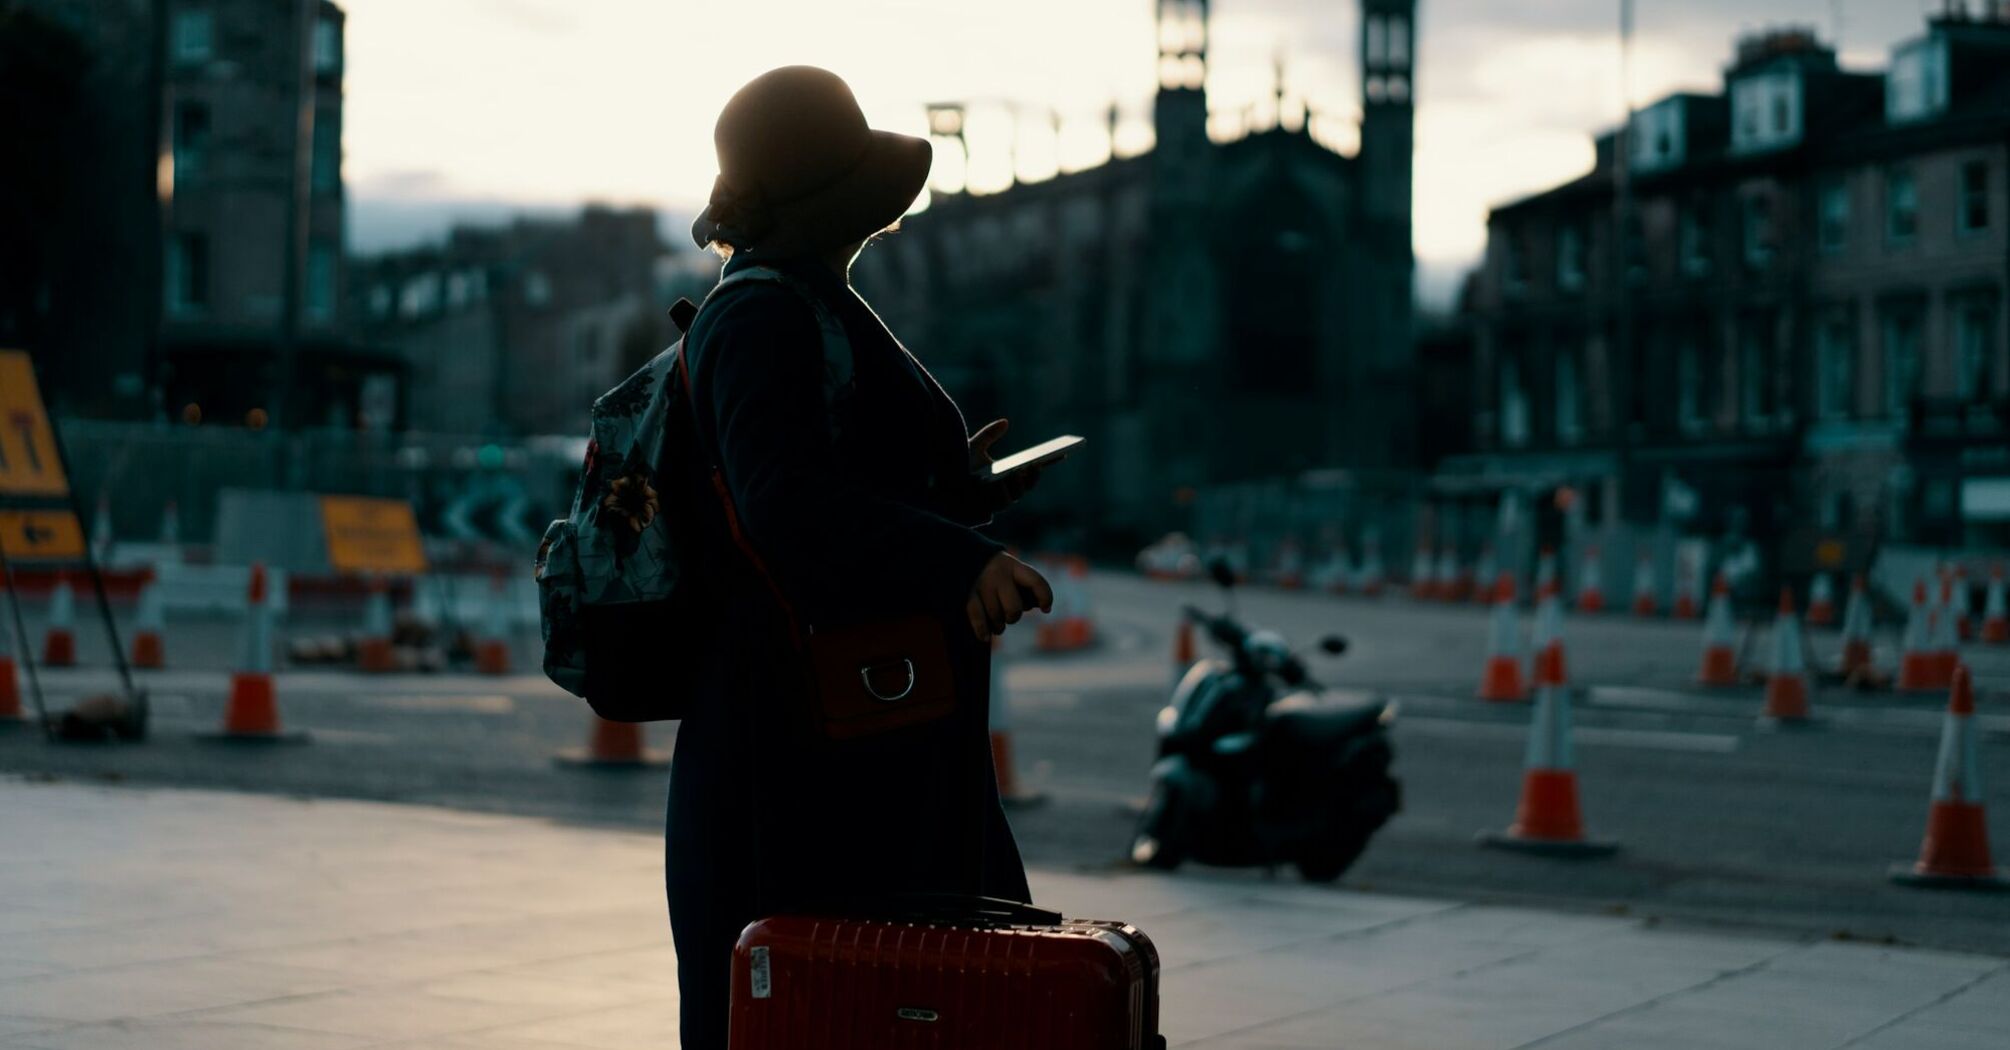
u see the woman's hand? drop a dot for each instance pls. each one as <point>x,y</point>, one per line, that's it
<point>995,495</point>
<point>1004,590</point>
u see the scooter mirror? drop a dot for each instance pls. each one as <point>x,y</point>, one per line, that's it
<point>1333,645</point>
<point>1221,572</point>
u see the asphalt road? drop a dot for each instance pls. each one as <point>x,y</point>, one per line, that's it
<point>1719,819</point>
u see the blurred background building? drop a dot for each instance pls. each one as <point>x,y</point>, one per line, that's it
<point>1797,333</point>
<point>1210,310</point>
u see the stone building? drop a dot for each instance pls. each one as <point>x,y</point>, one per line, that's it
<point>1801,337</point>
<point>1207,311</point>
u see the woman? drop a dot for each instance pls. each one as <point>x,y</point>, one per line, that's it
<point>859,511</point>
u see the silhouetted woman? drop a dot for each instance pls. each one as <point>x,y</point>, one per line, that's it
<point>860,500</point>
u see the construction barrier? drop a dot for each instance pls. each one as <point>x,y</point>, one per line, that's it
<point>1955,851</point>
<point>1720,643</point>
<point>612,745</point>
<point>1787,672</point>
<point>1547,819</point>
<point>1501,680</point>
<point>251,714</point>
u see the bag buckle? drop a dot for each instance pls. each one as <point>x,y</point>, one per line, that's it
<point>865,676</point>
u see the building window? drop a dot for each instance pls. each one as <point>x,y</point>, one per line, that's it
<point>536,288</point>
<point>191,139</point>
<point>1514,264</point>
<point>1974,348</point>
<point>1757,233</point>
<point>1569,258</point>
<point>326,163</point>
<point>1569,399</point>
<point>194,37</point>
<point>1757,374</point>
<point>1974,211</point>
<point>327,47</point>
<point>1833,220</point>
<point>1916,84</point>
<point>1378,41</point>
<point>1695,241</point>
<point>1514,406</point>
<point>320,301</point>
<point>1835,367</point>
<point>1691,386</point>
<point>187,273</point>
<point>1901,205</point>
<point>1901,360</point>
<point>1399,41</point>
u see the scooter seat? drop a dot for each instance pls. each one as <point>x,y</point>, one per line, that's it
<point>1309,721</point>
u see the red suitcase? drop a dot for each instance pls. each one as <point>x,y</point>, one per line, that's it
<point>968,975</point>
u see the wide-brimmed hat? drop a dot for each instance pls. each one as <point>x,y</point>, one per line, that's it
<point>800,171</point>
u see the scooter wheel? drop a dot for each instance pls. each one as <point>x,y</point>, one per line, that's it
<point>1160,841</point>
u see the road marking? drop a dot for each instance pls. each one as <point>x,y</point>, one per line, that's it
<point>1603,736</point>
<point>479,705</point>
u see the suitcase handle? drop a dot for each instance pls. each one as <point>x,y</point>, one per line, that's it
<point>958,909</point>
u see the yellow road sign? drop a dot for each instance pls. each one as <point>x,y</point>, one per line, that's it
<point>29,465</point>
<point>372,535</point>
<point>41,535</point>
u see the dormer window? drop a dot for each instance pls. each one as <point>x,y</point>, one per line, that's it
<point>1569,259</point>
<point>1916,85</point>
<point>1768,108</point>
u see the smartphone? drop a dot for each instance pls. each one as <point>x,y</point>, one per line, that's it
<point>1038,456</point>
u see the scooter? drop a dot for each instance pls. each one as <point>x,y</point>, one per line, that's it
<point>1259,764</point>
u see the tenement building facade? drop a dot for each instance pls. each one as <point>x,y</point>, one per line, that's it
<point>1800,336</point>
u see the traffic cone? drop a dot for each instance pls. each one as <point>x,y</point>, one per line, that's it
<point>1995,616</point>
<point>1941,638</point>
<point>1010,791</point>
<point>1545,569</point>
<point>492,651</point>
<point>1787,678</point>
<point>1856,624</point>
<point>1547,637</point>
<point>1687,587</point>
<point>1547,819</point>
<point>1643,585</point>
<point>1335,575</point>
<point>1501,681</point>
<point>1374,578</point>
<point>1720,654</point>
<point>149,650</point>
<point>1290,571</point>
<point>10,684</point>
<point>1918,666</point>
<point>59,640</point>
<point>1821,601</point>
<point>1964,620</point>
<point>252,712</point>
<point>1483,570</point>
<point>1423,586</point>
<point>612,745</point>
<point>1591,583</point>
<point>374,653</point>
<point>1183,652</point>
<point>1955,852</point>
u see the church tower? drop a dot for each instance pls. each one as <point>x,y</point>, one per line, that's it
<point>1384,326</point>
<point>1179,110</point>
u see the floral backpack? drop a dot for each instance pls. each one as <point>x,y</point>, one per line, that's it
<point>617,623</point>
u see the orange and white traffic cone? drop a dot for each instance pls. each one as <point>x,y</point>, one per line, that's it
<point>10,684</point>
<point>1290,571</point>
<point>1995,615</point>
<point>1856,625</point>
<point>1547,819</point>
<point>1821,601</point>
<point>1445,582</point>
<point>1485,569</point>
<point>1335,574</point>
<point>1545,569</point>
<point>252,712</point>
<point>1591,583</point>
<point>374,652</point>
<point>1787,677</point>
<point>1955,852</point>
<point>59,639</point>
<point>1963,616</point>
<point>1547,636</point>
<point>612,745</point>
<point>1941,638</point>
<point>1918,666</point>
<point>149,648</point>
<point>1501,681</point>
<point>1184,653</point>
<point>1423,582</point>
<point>1374,577</point>
<point>1720,652</point>
<point>492,651</point>
<point>1644,604</point>
<point>1070,627</point>
<point>1010,791</point>
<point>1688,587</point>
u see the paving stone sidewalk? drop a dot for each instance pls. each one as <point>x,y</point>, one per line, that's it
<point>166,919</point>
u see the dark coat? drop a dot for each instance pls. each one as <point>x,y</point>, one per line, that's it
<point>870,523</point>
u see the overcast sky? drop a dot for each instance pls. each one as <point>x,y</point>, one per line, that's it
<point>479,107</point>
